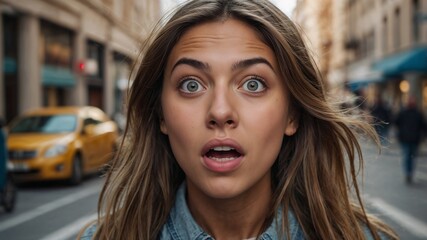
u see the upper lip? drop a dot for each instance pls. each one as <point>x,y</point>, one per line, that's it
<point>222,142</point>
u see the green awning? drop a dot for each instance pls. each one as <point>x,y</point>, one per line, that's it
<point>414,60</point>
<point>57,77</point>
<point>9,65</point>
<point>361,75</point>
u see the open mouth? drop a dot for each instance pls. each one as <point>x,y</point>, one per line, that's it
<point>223,153</point>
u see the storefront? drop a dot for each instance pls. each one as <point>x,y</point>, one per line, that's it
<point>10,66</point>
<point>57,71</point>
<point>95,73</point>
<point>406,71</point>
<point>122,69</point>
<point>363,81</point>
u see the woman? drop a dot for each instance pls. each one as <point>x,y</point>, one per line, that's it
<point>230,136</point>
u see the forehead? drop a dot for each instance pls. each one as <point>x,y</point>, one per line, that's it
<point>231,34</point>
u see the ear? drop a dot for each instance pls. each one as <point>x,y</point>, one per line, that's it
<point>292,125</point>
<point>163,127</point>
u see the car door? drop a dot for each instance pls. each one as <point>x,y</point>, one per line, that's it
<point>90,143</point>
<point>107,133</point>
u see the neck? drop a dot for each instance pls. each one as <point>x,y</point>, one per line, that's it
<point>240,217</point>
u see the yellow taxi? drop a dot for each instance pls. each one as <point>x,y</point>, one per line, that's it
<point>60,143</point>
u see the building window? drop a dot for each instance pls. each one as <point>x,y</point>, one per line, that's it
<point>385,35</point>
<point>397,31</point>
<point>416,20</point>
<point>370,44</point>
<point>56,46</point>
<point>94,60</point>
<point>363,47</point>
<point>56,52</point>
<point>10,66</point>
<point>94,68</point>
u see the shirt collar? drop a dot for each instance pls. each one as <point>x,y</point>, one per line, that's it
<point>182,225</point>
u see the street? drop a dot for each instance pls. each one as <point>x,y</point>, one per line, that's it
<point>51,211</point>
<point>387,195</point>
<point>57,211</point>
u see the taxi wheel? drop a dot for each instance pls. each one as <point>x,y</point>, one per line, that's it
<point>77,172</point>
<point>9,196</point>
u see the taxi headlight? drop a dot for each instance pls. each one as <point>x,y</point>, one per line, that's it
<point>56,150</point>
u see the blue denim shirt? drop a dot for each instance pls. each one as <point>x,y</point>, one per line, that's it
<point>181,225</point>
<point>89,232</point>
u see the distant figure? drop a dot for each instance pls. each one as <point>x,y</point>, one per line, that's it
<point>3,155</point>
<point>410,125</point>
<point>382,117</point>
<point>7,186</point>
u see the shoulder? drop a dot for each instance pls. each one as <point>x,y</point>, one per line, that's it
<point>89,232</point>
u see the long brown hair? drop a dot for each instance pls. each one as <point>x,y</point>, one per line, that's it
<point>313,176</point>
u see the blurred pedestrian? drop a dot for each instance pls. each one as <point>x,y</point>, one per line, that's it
<point>411,126</point>
<point>7,186</point>
<point>230,136</point>
<point>382,118</point>
<point>3,155</point>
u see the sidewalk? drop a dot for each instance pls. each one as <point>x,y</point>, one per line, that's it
<point>391,146</point>
<point>383,185</point>
<point>391,151</point>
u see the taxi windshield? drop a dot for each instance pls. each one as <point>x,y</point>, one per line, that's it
<point>45,124</point>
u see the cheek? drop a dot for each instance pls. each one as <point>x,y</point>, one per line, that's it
<point>266,128</point>
<point>269,131</point>
<point>268,145</point>
<point>179,119</point>
<point>175,124</point>
<point>268,119</point>
<point>181,123</point>
<point>180,136</point>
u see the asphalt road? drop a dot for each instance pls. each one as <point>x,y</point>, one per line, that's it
<point>55,211</point>
<point>402,206</point>
<point>51,211</point>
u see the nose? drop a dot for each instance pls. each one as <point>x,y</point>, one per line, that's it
<point>222,112</point>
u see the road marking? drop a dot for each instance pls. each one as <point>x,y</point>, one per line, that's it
<point>71,229</point>
<point>405,220</point>
<point>421,176</point>
<point>71,198</point>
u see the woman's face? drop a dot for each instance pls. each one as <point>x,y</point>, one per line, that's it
<point>225,109</point>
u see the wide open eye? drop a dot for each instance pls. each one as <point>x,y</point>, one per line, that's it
<point>254,85</point>
<point>190,86</point>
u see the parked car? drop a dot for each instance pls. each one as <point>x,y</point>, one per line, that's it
<point>60,143</point>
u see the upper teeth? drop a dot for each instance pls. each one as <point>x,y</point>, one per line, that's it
<point>223,148</point>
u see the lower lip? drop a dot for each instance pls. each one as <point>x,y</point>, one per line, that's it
<point>222,167</point>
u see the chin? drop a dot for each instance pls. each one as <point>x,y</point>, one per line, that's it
<point>223,190</point>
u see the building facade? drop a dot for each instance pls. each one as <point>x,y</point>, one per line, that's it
<point>79,52</point>
<point>313,18</point>
<point>378,48</point>
<point>388,59</point>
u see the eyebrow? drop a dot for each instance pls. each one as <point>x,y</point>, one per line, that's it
<point>192,62</point>
<point>238,65</point>
<point>249,62</point>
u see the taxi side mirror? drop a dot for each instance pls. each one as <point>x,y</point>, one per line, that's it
<point>89,129</point>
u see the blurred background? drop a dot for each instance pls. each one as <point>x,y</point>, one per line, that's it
<point>56,53</point>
